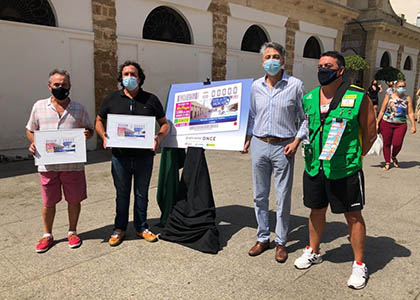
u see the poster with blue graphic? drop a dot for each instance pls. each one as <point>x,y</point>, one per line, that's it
<point>211,116</point>
<point>130,131</point>
<point>61,146</point>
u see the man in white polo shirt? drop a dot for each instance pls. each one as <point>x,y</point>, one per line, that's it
<point>59,112</point>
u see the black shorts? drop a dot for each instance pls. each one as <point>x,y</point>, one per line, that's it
<point>344,195</point>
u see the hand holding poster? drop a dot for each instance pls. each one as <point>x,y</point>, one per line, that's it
<point>60,146</point>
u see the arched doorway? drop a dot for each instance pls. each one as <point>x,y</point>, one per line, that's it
<point>408,64</point>
<point>166,24</point>
<point>28,11</point>
<point>253,39</point>
<point>312,48</point>
<point>385,60</point>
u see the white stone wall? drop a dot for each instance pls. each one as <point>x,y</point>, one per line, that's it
<point>30,53</point>
<point>132,14</point>
<point>74,14</point>
<point>306,69</point>
<point>410,75</point>
<point>392,50</point>
<point>166,63</point>
<point>244,64</point>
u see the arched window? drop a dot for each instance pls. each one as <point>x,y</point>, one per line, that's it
<point>165,24</point>
<point>407,63</point>
<point>385,60</point>
<point>312,48</point>
<point>253,39</point>
<point>27,11</point>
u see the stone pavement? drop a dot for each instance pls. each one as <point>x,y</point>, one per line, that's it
<point>140,270</point>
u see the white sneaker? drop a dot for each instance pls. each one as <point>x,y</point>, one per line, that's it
<point>307,259</point>
<point>358,277</point>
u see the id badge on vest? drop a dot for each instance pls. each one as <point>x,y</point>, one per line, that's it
<point>333,139</point>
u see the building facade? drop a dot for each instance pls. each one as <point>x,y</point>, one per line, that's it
<point>179,41</point>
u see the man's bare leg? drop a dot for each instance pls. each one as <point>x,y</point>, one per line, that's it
<point>316,227</point>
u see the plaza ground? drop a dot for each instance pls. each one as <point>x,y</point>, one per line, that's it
<point>140,270</point>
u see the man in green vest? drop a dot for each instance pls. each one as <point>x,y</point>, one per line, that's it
<point>341,124</point>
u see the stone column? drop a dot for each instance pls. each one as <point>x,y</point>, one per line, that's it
<point>399,57</point>
<point>105,48</point>
<point>338,40</point>
<point>292,25</point>
<point>220,10</point>
<point>370,51</point>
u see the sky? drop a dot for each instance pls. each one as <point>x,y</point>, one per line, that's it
<point>410,8</point>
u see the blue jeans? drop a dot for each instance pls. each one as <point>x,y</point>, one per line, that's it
<point>267,159</point>
<point>123,170</point>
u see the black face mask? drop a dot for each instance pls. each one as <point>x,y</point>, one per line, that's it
<point>60,93</point>
<point>326,75</point>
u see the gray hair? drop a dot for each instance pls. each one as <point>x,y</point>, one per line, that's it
<point>59,71</point>
<point>275,46</point>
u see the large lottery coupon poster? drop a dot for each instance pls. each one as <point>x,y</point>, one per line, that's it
<point>60,146</point>
<point>212,116</point>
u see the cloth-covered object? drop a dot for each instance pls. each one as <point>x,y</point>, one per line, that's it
<point>171,160</point>
<point>192,221</point>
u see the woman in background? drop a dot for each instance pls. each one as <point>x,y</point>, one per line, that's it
<point>418,106</point>
<point>392,122</point>
<point>373,91</point>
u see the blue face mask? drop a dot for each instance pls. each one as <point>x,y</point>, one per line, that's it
<point>130,83</point>
<point>401,90</point>
<point>272,66</point>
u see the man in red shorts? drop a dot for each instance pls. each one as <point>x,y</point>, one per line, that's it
<point>59,112</point>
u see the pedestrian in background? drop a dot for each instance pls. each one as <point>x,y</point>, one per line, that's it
<point>392,122</point>
<point>373,92</point>
<point>418,106</point>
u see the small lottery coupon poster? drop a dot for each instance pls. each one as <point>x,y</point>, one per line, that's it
<point>62,146</point>
<point>130,131</point>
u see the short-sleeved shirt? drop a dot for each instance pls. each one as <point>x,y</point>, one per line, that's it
<point>44,116</point>
<point>396,110</point>
<point>143,104</point>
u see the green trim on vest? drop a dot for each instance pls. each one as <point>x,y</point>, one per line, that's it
<point>347,158</point>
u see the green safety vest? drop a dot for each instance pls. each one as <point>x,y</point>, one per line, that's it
<point>347,158</point>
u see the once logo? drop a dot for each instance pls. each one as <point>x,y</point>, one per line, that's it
<point>209,138</point>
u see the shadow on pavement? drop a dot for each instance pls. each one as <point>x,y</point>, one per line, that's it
<point>23,167</point>
<point>401,165</point>
<point>104,233</point>
<point>244,216</point>
<point>379,251</point>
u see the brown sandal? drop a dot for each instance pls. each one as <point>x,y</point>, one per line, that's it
<point>395,162</point>
<point>387,167</point>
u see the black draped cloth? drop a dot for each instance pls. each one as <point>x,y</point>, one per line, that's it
<point>192,221</point>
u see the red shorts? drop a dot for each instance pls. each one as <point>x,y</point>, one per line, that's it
<point>73,183</point>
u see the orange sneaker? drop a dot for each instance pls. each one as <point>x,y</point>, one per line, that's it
<point>147,235</point>
<point>116,238</point>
